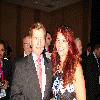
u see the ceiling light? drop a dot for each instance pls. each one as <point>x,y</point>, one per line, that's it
<point>36,2</point>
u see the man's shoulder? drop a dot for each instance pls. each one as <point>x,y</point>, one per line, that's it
<point>26,58</point>
<point>19,57</point>
<point>22,60</point>
<point>91,58</point>
<point>91,55</point>
<point>49,63</point>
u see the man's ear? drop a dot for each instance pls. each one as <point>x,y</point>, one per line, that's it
<point>30,41</point>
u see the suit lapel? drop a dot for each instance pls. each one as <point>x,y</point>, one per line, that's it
<point>34,77</point>
<point>47,72</point>
<point>33,73</point>
<point>94,59</point>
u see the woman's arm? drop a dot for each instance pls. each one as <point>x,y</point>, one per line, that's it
<point>79,84</point>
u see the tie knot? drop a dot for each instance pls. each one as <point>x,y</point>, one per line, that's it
<point>47,49</point>
<point>38,60</point>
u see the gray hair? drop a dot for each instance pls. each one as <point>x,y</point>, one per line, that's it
<point>77,39</point>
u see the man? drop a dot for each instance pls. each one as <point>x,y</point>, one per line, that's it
<point>92,74</point>
<point>86,53</point>
<point>47,49</point>
<point>8,51</point>
<point>48,41</point>
<point>27,51</point>
<point>26,47</point>
<point>5,74</point>
<point>78,44</point>
<point>32,78</point>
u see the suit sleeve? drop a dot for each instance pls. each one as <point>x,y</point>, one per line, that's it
<point>7,70</point>
<point>17,86</point>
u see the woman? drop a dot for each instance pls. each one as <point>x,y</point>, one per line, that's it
<point>69,82</point>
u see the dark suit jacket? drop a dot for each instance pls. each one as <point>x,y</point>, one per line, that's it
<point>25,84</point>
<point>7,72</point>
<point>17,59</point>
<point>84,55</point>
<point>92,76</point>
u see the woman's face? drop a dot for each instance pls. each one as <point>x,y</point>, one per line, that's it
<point>61,45</point>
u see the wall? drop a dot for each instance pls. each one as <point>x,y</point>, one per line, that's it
<point>89,20</point>
<point>8,25</point>
<point>27,19</point>
<point>73,16</point>
<point>16,20</point>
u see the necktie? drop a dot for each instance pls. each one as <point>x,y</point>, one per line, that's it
<point>39,72</point>
<point>47,49</point>
<point>0,67</point>
<point>1,73</point>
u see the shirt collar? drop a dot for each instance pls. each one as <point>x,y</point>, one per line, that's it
<point>24,54</point>
<point>46,49</point>
<point>88,53</point>
<point>35,58</point>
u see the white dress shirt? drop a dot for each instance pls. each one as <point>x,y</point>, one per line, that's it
<point>46,49</point>
<point>24,54</point>
<point>88,52</point>
<point>48,55</point>
<point>43,71</point>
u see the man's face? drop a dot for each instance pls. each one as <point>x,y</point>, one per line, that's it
<point>1,51</point>
<point>48,39</point>
<point>26,44</point>
<point>38,41</point>
<point>98,53</point>
<point>79,46</point>
<point>89,49</point>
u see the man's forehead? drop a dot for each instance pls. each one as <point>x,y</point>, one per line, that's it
<point>38,30</point>
<point>48,35</point>
<point>26,39</point>
<point>1,46</point>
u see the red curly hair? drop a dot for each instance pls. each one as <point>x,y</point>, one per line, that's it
<point>72,58</point>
